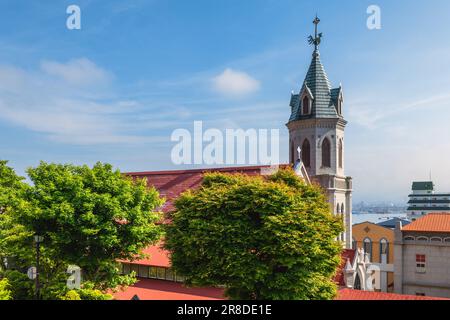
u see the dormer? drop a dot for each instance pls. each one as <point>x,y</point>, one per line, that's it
<point>337,97</point>
<point>306,100</point>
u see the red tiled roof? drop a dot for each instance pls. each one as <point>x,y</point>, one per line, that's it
<point>158,257</point>
<point>433,222</point>
<point>349,294</point>
<point>348,254</point>
<point>149,289</point>
<point>171,184</point>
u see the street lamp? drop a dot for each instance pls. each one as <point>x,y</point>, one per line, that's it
<point>38,240</point>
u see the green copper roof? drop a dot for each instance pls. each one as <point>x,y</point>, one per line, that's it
<point>318,86</point>
<point>427,185</point>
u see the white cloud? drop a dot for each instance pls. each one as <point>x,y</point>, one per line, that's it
<point>40,104</point>
<point>370,115</point>
<point>235,83</point>
<point>80,72</point>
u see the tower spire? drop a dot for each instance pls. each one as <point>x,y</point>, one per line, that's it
<point>317,36</point>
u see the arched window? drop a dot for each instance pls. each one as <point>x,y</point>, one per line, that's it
<point>342,209</point>
<point>305,104</point>
<point>293,156</point>
<point>384,250</point>
<point>367,246</point>
<point>343,223</point>
<point>326,153</point>
<point>341,154</point>
<point>306,153</point>
<point>422,239</point>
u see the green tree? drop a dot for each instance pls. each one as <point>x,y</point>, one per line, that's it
<point>13,236</point>
<point>89,217</point>
<point>5,290</point>
<point>262,238</point>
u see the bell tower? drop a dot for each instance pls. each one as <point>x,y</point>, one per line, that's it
<point>317,127</point>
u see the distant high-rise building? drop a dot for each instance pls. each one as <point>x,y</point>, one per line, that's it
<point>425,200</point>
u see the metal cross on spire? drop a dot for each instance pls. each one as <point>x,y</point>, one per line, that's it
<point>317,36</point>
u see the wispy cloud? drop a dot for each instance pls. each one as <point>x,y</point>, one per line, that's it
<point>235,83</point>
<point>373,114</point>
<point>75,116</point>
<point>82,72</point>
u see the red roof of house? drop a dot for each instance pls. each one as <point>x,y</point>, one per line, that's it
<point>149,289</point>
<point>158,257</point>
<point>348,254</point>
<point>171,184</point>
<point>433,222</point>
<point>350,294</point>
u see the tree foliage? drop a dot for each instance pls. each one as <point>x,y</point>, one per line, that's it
<point>261,238</point>
<point>5,290</point>
<point>89,217</point>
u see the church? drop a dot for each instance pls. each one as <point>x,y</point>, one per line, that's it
<point>317,127</point>
<point>316,137</point>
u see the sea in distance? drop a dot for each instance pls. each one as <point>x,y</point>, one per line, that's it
<point>375,217</point>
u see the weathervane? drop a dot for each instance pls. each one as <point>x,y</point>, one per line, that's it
<point>317,37</point>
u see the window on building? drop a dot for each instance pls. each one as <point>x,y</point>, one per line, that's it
<point>421,263</point>
<point>153,273</point>
<point>143,272</point>
<point>306,153</point>
<point>161,273</point>
<point>326,153</point>
<point>135,269</point>
<point>367,246</point>
<point>384,250</point>
<point>170,275</point>
<point>126,268</point>
<point>305,104</point>
<point>341,154</point>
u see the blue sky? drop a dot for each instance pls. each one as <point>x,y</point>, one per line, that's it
<point>116,89</point>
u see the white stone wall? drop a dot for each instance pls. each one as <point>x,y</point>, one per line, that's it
<point>316,130</point>
<point>435,282</point>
